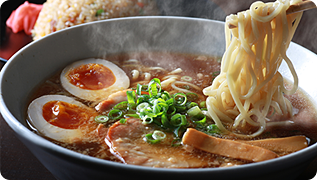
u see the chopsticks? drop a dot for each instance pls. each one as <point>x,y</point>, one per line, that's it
<point>299,7</point>
<point>302,6</point>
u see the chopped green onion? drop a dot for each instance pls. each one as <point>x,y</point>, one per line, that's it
<point>160,108</point>
<point>149,138</point>
<point>191,104</point>
<point>99,12</point>
<point>139,89</point>
<point>216,73</point>
<point>147,120</point>
<point>165,95</point>
<point>181,108</point>
<point>158,135</point>
<point>180,99</point>
<point>122,105</point>
<point>131,97</point>
<point>171,110</point>
<point>176,131</point>
<point>152,88</point>
<point>199,119</point>
<point>186,87</point>
<point>146,112</point>
<point>123,120</point>
<point>192,96</point>
<point>101,119</point>
<point>157,100</point>
<point>170,101</point>
<point>194,111</point>
<point>155,138</point>
<point>178,120</point>
<point>202,104</point>
<point>143,106</point>
<point>153,105</point>
<point>166,123</point>
<point>213,129</point>
<point>176,142</point>
<point>115,114</point>
<point>132,115</point>
<point>186,78</point>
<point>142,98</point>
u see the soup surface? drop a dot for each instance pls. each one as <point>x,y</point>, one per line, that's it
<point>114,128</point>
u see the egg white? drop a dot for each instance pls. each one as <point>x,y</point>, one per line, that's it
<point>35,114</point>
<point>122,81</point>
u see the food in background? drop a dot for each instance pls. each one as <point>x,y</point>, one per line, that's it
<point>60,14</point>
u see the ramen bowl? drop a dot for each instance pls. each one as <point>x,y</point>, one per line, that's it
<point>45,57</point>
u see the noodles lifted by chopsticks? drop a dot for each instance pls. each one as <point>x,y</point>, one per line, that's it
<point>249,85</point>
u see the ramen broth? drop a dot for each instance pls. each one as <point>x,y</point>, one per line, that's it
<point>197,70</point>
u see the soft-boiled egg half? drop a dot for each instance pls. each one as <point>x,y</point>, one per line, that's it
<point>59,117</point>
<point>93,79</point>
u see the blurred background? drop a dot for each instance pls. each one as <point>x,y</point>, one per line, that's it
<point>16,161</point>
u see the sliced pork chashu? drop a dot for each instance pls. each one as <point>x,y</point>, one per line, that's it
<point>127,142</point>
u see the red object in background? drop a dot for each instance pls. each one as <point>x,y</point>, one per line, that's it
<point>24,17</point>
<point>14,42</point>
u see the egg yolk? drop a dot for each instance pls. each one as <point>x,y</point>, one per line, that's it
<point>66,115</point>
<point>91,76</point>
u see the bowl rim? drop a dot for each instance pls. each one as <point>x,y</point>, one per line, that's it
<point>49,146</point>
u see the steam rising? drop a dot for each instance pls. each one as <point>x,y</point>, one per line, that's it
<point>160,34</point>
<point>191,8</point>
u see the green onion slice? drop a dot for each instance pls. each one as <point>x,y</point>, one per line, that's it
<point>213,129</point>
<point>171,110</point>
<point>149,138</point>
<point>158,135</point>
<point>216,73</point>
<point>99,12</point>
<point>191,104</point>
<point>151,104</point>
<point>141,88</point>
<point>147,120</point>
<point>199,119</point>
<point>123,120</point>
<point>154,87</point>
<point>122,105</point>
<point>165,95</point>
<point>192,96</point>
<point>176,142</point>
<point>101,119</point>
<point>202,104</point>
<point>186,78</point>
<point>194,111</point>
<point>131,97</point>
<point>115,114</point>
<point>132,115</point>
<point>142,98</point>
<point>180,99</point>
<point>143,106</point>
<point>178,120</point>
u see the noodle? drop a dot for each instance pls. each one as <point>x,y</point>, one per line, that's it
<point>249,84</point>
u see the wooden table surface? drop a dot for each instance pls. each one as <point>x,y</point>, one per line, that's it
<point>17,162</point>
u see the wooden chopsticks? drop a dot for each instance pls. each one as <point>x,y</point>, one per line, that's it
<point>299,7</point>
<point>302,6</point>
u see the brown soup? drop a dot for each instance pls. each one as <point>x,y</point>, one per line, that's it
<point>129,140</point>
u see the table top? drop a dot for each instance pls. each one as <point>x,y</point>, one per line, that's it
<point>17,162</point>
